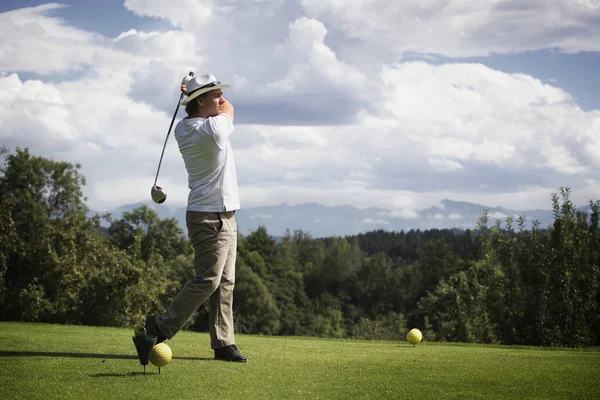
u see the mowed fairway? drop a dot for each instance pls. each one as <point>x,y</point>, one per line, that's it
<point>42,361</point>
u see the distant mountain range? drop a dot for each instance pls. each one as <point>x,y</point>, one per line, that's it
<point>325,221</point>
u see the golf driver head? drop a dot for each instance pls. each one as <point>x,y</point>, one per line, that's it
<point>158,194</point>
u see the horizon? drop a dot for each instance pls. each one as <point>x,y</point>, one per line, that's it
<point>178,207</point>
<point>322,221</point>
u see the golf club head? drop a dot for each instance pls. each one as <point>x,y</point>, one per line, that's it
<point>158,194</point>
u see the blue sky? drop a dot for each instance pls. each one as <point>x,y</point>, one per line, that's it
<point>368,103</point>
<point>107,17</point>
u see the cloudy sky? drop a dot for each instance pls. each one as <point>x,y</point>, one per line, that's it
<point>394,104</point>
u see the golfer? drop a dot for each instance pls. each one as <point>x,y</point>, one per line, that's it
<point>203,139</point>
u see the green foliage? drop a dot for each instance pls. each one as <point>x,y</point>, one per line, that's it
<point>180,269</point>
<point>342,260</point>
<point>544,289</point>
<point>163,237</point>
<point>255,308</point>
<point>54,265</point>
<point>329,319</point>
<point>122,289</point>
<point>463,308</point>
<point>573,274</point>
<point>406,245</point>
<point>388,327</point>
<point>376,286</point>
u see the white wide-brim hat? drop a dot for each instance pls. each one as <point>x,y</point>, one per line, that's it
<point>201,84</point>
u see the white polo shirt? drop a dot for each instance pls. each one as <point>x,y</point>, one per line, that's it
<point>208,157</point>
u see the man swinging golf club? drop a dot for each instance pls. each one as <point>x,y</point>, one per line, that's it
<point>203,140</point>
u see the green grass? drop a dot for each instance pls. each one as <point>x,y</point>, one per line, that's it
<point>55,361</point>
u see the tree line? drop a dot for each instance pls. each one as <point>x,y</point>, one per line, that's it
<point>494,284</point>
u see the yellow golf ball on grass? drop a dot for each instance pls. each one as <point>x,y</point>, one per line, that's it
<point>161,355</point>
<point>414,336</point>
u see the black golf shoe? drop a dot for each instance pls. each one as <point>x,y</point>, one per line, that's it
<point>229,353</point>
<point>152,329</point>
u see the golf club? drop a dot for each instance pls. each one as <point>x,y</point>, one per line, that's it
<point>157,193</point>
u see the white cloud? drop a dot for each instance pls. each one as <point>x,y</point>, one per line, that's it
<point>375,221</point>
<point>308,78</point>
<point>116,146</point>
<point>173,46</point>
<point>462,29</point>
<point>498,215</point>
<point>594,4</point>
<point>262,216</point>
<point>157,83</point>
<point>495,126</point>
<point>33,110</point>
<point>590,139</point>
<point>405,213</point>
<point>561,159</point>
<point>31,40</point>
<point>183,13</point>
<point>459,113</point>
<point>315,67</point>
<point>288,65</point>
<point>226,30</point>
<point>444,165</point>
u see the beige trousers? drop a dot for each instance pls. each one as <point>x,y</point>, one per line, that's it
<point>214,237</point>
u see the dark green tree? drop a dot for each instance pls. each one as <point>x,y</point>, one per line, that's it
<point>376,288</point>
<point>160,236</point>
<point>254,307</point>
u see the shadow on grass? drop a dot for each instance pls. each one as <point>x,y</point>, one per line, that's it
<point>85,355</point>
<point>68,355</point>
<point>124,375</point>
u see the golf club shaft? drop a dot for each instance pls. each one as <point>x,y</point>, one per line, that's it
<point>188,77</point>
<point>167,138</point>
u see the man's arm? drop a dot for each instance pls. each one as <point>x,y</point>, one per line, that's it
<point>228,109</point>
<point>221,126</point>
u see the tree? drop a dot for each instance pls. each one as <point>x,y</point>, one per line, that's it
<point>35,193</point>
<point>376,286</point>
<point>463,308</point>
<point>254,307</point>
<point>286,283</point>
<point>161,236</point>
<point>54,264</point>
<point>342,261</point>
<point>573,261</point>
<point>549,283</point>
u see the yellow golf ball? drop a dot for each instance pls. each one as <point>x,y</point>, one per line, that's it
<point>414,336</point>
<point>161,355</point>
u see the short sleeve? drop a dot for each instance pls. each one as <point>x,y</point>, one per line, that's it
<point>220,127</point>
